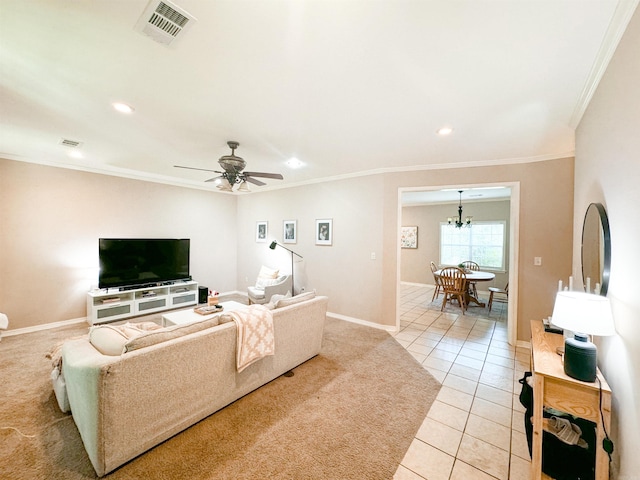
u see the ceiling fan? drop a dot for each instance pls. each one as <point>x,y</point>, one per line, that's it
<point>233,173</point>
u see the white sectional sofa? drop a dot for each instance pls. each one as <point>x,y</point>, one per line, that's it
<point>123,405</point>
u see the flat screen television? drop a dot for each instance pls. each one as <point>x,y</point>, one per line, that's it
<point>127,262</point>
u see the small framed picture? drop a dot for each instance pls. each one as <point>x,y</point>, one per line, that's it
<point>261,231</point>
<point>290,231</point>
<point>324,231</point>
<point>409,237</point>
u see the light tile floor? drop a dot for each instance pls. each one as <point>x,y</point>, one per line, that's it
<point>475,427</point>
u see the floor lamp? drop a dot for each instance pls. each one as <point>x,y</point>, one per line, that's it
<point>273,247</point>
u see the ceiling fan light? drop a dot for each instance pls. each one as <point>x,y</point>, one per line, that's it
<point>224,185</point>
<point>233,173</point>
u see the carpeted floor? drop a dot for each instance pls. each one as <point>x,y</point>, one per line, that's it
<point>349,413</point>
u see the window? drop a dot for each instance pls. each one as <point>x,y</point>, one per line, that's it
<point>483,243</point>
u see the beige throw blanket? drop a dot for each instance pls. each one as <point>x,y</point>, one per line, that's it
<point>255,335</point>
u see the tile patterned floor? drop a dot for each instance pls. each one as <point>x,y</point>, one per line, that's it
<point>475,428</point>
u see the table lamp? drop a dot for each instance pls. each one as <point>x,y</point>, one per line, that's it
<point>583,314</point>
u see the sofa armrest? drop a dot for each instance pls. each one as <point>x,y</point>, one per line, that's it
<point>82,366</point>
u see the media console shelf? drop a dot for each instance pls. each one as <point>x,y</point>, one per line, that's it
<point>117,304</point>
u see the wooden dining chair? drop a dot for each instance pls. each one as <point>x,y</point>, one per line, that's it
<point>502,292</point>
<point>436,281</point>
<point>469,265</point>
<point>454,283</point>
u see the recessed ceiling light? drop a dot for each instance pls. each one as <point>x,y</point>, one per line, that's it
<point>76,154</point>
<point>444,131</point>
<point>66,142</point>
<point>294,163</point>
<point>123,107</point>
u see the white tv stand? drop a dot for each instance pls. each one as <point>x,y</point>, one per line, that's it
<point>110,304</point>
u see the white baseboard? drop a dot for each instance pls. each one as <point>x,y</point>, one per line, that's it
<point>359,321</point>
<point>414,284</point>
<point>45,326</point>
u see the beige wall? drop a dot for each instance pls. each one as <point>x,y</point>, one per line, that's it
<point>365,214</point>
<point>608,171</point>
<point>55,217</point>
<point>344,271</point>
<point>415,263</point>
<point>545,229</point>
<point>51,219</point>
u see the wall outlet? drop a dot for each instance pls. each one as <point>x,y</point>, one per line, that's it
<point>537,261</point>
<point>373,255</point>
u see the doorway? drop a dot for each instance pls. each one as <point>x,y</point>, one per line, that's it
<point>433,193</point>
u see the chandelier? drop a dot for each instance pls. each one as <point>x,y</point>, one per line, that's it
<point>457,221</point>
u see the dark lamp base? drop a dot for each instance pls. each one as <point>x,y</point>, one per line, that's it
<point>580,358</point>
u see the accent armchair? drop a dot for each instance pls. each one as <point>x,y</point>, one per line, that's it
<point>264,289</point>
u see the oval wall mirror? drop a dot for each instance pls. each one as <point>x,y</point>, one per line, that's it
<point>596,249</point>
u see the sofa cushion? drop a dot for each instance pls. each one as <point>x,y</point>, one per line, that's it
<point>303,297</point>
<point>109,339</point>
<point>255,292</point>
<point>279,296</point>
<point>162,335</point>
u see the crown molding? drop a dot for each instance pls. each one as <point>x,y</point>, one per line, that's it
<point>198,185</point>
<point>619,22</point>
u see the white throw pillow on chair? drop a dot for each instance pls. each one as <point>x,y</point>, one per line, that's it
<point>266,272</point>
<point>266,282</point>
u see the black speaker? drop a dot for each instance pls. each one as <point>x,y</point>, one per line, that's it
<point>203,293</point>
<point>580,358</point>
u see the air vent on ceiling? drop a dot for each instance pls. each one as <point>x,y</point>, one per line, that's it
<point>164,22</point>
<point>70,143</point>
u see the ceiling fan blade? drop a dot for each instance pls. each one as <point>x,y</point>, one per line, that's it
<point>254,181</point>
<point>194,168</point>
<point>276,176</point>
<point>214,179</point>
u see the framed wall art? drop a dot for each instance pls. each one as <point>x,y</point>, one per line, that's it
<point>261,231</point>
<point>290,231</point>
<point>324,231</point>
<point>409,237</point>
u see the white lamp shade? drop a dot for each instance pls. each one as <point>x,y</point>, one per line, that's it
<point>583,313</point>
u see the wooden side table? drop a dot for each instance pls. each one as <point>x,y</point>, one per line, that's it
<point>553,388</point>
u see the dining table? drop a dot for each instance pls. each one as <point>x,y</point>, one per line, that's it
<point>474,276</point>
